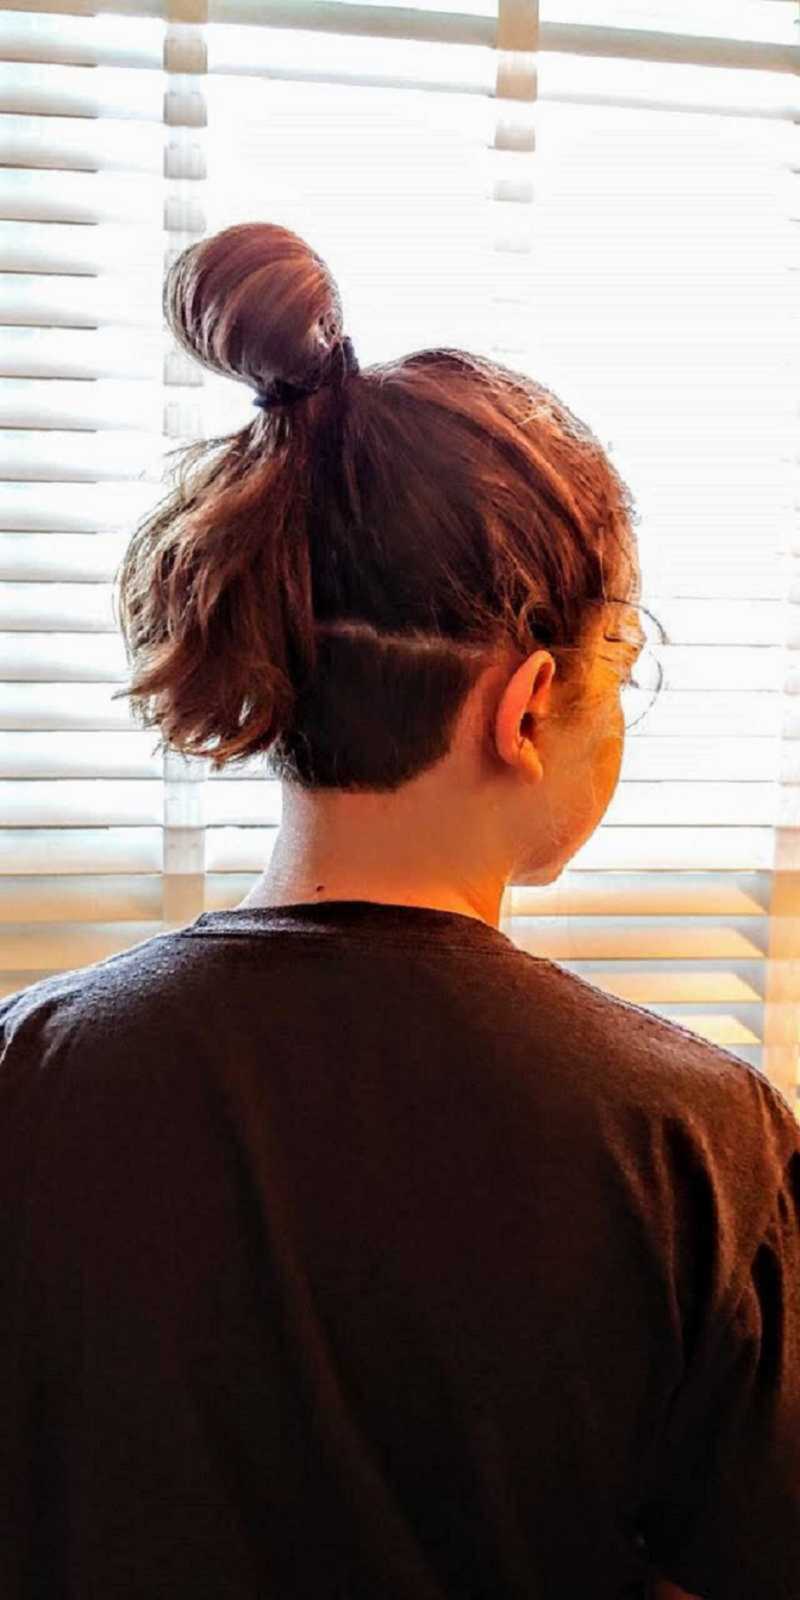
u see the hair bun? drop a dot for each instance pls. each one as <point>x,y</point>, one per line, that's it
<point>255,302</point>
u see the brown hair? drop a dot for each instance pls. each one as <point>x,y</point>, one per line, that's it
<point>328,582</point>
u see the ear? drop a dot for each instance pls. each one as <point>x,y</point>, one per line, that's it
<point>526,695</point>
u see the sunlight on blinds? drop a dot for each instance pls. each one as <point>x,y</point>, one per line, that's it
<point>404,227</point>
<point>767,20</point>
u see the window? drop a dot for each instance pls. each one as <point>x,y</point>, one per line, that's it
<point>606,196</point>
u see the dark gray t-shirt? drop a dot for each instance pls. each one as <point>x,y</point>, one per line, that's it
<point>347,1252</point>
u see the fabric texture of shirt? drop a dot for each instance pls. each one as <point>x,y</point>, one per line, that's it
<point>349,1252</point>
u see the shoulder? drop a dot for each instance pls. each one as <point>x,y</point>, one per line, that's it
<point>633,1071</point>
<point>657,1050</point>
<point>95,1007</point>
<point>700,1144</point>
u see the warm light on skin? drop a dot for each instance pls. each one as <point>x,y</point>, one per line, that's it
<point>512,800</point>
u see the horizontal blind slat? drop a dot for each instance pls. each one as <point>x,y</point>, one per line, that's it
<point>74,507</point>
<point>85,144</point>
<point>98,407</point>
<point>650,44</point>
<point>60,558</point>
<point>657,939</point>
<point>34,301</point>
<point>136,42</point>
<point>582,893</point>
<point>62,658</point>
<point>30,195</point>
<point>43,705</point>
<point>81,353</point>
<point>120,897</point>
<point>472,23</point>
<point>117,93</point>
<point>72,249</point>
<point>62,755</point>
<point>83,803</point>
<point>76,607</point>
<point>680,849</point>
<point>700,983</point>
<point>57,36</point>
<point>58,454</point>
<point>80,41</point>
<point>84,850</point>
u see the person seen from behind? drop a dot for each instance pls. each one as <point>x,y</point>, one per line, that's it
<point>350,1250</point>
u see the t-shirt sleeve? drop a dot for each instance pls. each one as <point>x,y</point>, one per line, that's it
<point>31,1056</point>
<point>723,1519</point>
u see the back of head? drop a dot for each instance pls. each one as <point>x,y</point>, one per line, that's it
<point>327,583</point>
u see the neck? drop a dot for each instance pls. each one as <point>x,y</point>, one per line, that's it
<point>335,846</point>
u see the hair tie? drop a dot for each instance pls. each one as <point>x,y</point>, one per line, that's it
<point>281,393</point>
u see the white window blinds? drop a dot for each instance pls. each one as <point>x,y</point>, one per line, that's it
<point>605,195</point>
